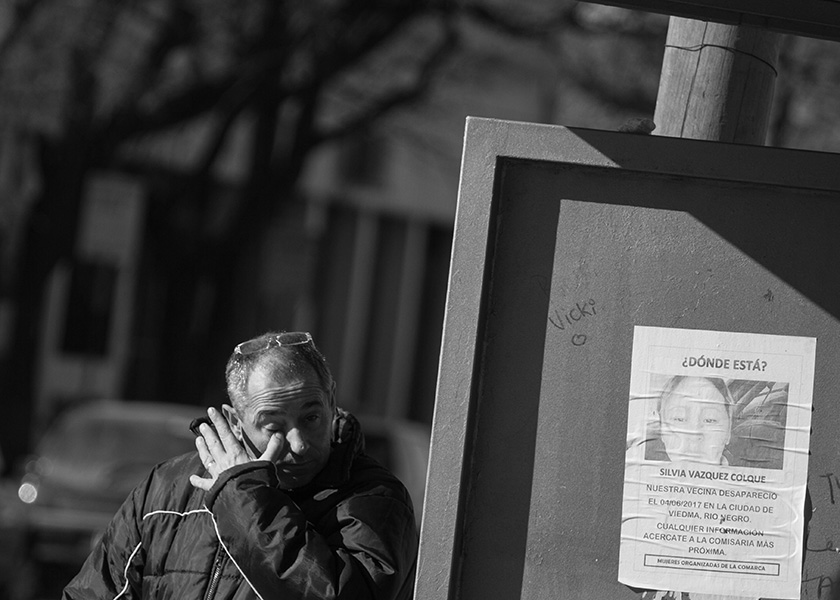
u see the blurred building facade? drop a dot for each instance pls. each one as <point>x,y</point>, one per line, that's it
<point>360,256</point>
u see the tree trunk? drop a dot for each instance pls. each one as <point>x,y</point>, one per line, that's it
<point>49,237</point>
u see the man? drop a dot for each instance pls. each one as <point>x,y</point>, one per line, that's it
<point>279,502</point>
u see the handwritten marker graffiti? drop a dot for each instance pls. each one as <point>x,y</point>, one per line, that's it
<point>563,319</point>
<point>578,339</point>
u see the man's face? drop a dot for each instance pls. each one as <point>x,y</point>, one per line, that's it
<point>299,409</point>
<point>695,422</point>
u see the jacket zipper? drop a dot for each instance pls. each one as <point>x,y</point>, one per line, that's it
<point>216,575</point>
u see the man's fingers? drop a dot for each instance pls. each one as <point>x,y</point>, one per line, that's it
<point>218,449</point>
<point>204,452</point>
<point>274,448</point>
<point>201,446</point>
<point>224,434</point>
<point>205,483</point>
<point>212,446</point>
<point>201,483</point>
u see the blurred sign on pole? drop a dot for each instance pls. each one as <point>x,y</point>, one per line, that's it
<point>811,18</point>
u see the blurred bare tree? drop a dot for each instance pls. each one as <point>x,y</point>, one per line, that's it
<point>95,78</point>
<point>806,113</point>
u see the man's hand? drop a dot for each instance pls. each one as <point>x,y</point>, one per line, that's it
<point>222,451</point>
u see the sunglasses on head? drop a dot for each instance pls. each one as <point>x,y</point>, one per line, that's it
<point>287,338</point>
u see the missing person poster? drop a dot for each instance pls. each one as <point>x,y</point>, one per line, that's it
<point>716,462</point>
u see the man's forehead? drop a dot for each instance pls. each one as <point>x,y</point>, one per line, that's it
<point>264,387</point>
<point>272,407</point>
<point>263,375</point>
<point>284,401</point>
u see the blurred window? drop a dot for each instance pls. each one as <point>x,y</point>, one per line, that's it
<point>362,160</point>
<point>89,308</point>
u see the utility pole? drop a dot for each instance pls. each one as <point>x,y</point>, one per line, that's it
<point>717,82</point>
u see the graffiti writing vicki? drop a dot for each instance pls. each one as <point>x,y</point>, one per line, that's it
<point>568,318</point>
<point>564,319</point>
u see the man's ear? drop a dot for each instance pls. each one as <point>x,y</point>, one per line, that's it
<point>333,414</point>
<point>233,420</point>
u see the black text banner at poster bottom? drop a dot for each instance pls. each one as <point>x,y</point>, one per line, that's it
<point>711,565</point>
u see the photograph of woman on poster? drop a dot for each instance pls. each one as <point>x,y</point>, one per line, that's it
<point>695,421</point>
<point>713,421</point>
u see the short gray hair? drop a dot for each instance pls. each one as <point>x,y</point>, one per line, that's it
<point>283,363</point>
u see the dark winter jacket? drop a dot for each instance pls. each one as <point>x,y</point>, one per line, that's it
<point>350,533</point>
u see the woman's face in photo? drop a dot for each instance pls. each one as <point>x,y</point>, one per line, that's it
<point>695,422</point>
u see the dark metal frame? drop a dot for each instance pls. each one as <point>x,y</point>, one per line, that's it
<point>812,18</point>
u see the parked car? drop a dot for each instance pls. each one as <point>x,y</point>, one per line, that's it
<point>83,467</point>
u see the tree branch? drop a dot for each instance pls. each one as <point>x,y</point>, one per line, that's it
<point>400,96</point>
<point>567,18</point>
<point>360,37</point>
<point>511,23</point>
<point>635,100</point>
<point>23,12</point>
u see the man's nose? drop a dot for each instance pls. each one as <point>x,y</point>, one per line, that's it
<point>296,440</point>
